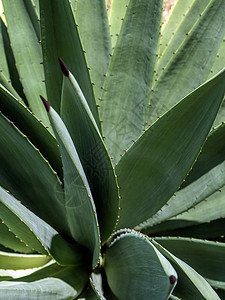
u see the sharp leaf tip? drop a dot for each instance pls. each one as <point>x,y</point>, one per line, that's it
<point>46,104</point>
<point>63,67</point>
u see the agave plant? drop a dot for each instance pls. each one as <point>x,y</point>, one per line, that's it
<point>112,184</point>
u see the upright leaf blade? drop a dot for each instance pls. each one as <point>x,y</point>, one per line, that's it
<point>193,59</point>
<point>181,132</point>
<point>60,39</point>
<point>94,158</point>
<point>79,204</point>
<point>127,85</point>
<point>27,53</point>
<point>93,27</point>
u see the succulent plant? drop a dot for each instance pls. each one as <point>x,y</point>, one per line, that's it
<point>112,184</point>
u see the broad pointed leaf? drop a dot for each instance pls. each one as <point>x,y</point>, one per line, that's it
<point>48,237</point>
<point>27,53</point>
<point>191,61</point>
<point>10,240</point>
<point>60,39</point>
<point>93,27</point>
<point>204,256</point>
<point>79,203</point>
<point>135,269</point>
<point>30,126</point>
<point>39,191</point>
<point>93,155</point>
<point>155,166</point>
<point>127,85</point>
<point>191,285</point>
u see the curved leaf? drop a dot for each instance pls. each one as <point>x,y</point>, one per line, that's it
<point>181,132</point>
<point>190,285</point>
<point>30,126</point>
<point>63,252</point>
<point>49,288</point>
<point>29,177</point>
<point>79,203</point>
<point>204,256</point>
<point>14,261</point>
<point>93,154</point>
<point>135,269</point>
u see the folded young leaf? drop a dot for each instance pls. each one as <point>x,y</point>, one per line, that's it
<point>79,204</point>
<point>157,163</point>
<point>92,153</point>
<point>135,269</point>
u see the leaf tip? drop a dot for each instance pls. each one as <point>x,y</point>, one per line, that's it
<point>63,67</point>
<point>173,279</point>
<point>46,104</point>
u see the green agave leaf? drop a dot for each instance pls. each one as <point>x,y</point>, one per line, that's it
<point>176,16</point>
<point>181,132</point>
<point>210,209</point>
<point>93,155</point>
<point>26,122</point>
<point>127,84</point>
<point>48,288</point>
<point>40,190</point>
<point>49,238</point>
<point>27,53</point>
<point>76,277</point>
<point>135,269</point>
<point>15,261</point>
<point>116,16</point>
<point>204,256</point>
<point>59,38</point>
<point>10,79</point>
<point>3,64</point>
<point>211,230</point>
<point>93,28</point>
<point>183,18</point>
<point>79,203</point>
<point>193,59</point>
<point>204,180</point>
<point>96,283</point>
<point>190,285</point>
<point>10,240</point>
<point>32,12</point>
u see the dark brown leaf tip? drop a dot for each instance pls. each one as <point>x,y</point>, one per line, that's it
<point>63,67</point>
<point>173,279</point>
<point>46,104</point>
